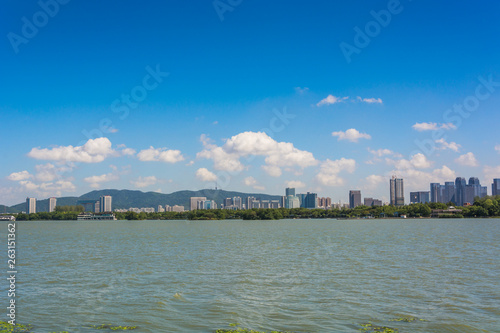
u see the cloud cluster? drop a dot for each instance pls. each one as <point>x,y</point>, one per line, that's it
<point>331,99</point>
<point>467,159</point>
<point>417,161</point>
<point>93,151</point>
<point>205,175</point>
<point>250,181</point>
<point>420,127</point>
<point>160,154</point>
<point>95,181</point>
<point>329,171</point>
<point>352,135</point>
<point>443,145</point>
<point>249,144</point>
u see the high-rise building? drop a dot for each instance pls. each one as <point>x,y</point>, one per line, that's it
<point>354,198</point>
<point>324,202</point>
<point>193,202</point>
<point>30,205</point>
<point>237,202</point>
<point>495,187</point>
<point>228,202</point>
<point>419,197</point>
<point>274,204</point>
<point>250,201</point>
<point>460,185</point>
<point>311,200</point>
<point>435,192</point>
<point>449,193</point>
<point>397,191</point>
<point>105,204</point>
<point>52,204</point>
<point>292,202</point>
<point>372,202</point>
<point>302,199</point>
<point>290,191</point>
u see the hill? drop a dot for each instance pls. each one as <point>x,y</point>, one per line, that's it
<point>127,198</point>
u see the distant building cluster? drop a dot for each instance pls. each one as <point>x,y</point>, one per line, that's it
<point>103,205</point>
<point>459,192</point>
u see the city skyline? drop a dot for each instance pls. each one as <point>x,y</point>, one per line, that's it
<point>197,100</point>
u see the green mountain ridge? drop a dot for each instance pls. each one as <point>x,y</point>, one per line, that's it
<point>123,199</point>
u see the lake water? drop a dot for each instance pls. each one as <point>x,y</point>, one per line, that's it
<point>296,275</point>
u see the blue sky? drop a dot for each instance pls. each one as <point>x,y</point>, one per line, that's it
<point>259,95</point>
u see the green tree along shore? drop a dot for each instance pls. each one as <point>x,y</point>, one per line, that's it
<point>483,207</point>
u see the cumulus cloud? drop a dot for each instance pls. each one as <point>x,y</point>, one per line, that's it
<point>144,181</point>
<point>329,171</point>
<point>497,148</point>
<point>93,151</point>
<point>160,154</point>
<point>205,175</point>
<point>420,127</point>
<point>443,145</point>
<point>417,161</point>
<point>95,181</point>
<point>418,180</point>
<point>373,181</point>
<point>277,154</point>
<point>18,176</point>
<point>330,99</point>
<point>250,181</point>
<point>370,100</point>
<point>467,159</point>
<point>379,153</point>
<point>351,134</point>
<point>491,172</point>
<point>295,184</point>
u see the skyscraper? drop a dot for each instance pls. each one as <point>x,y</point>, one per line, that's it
<point>397,191</point>
<point>460,185</point>
<point>449,193</point>
<point>193,202</point>
<point>237,202</point>
<point>52,204</point>
<point>30,205</point>
<point>435,192</point>
<point>419,197</point>
<point>105,204</point>
<point>495,187</point>
<point>290,191</point>
<point>311,200</point>
<point>354,198</point>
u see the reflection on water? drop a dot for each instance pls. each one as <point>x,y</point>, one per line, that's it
<point>300,275</point>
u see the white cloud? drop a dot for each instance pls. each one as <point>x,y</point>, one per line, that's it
<point>160,154</point>
<point>128,151</point>
<point>93,151</point>
<point>497,148</point>
<point>295,184</point>
<point>377,154</point>
<point>95,181</point>
<point>329,170</point>
<point>250,181</point>
<point>144,181</point>
<point>417,161</point>
<point>300,90</point>
<point>18,176</point>
<point>467,159</point>
<point>272,170</point>
<point>432,126</point>
<point>205,175</point>
<point>277,154</point>
<point>351,134</point>
<point>190,163</point>
<point>491,173</point>
<point>372,182</point>
<point>443,145</point>
<point>330,99</point>
<point>370,100</point>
